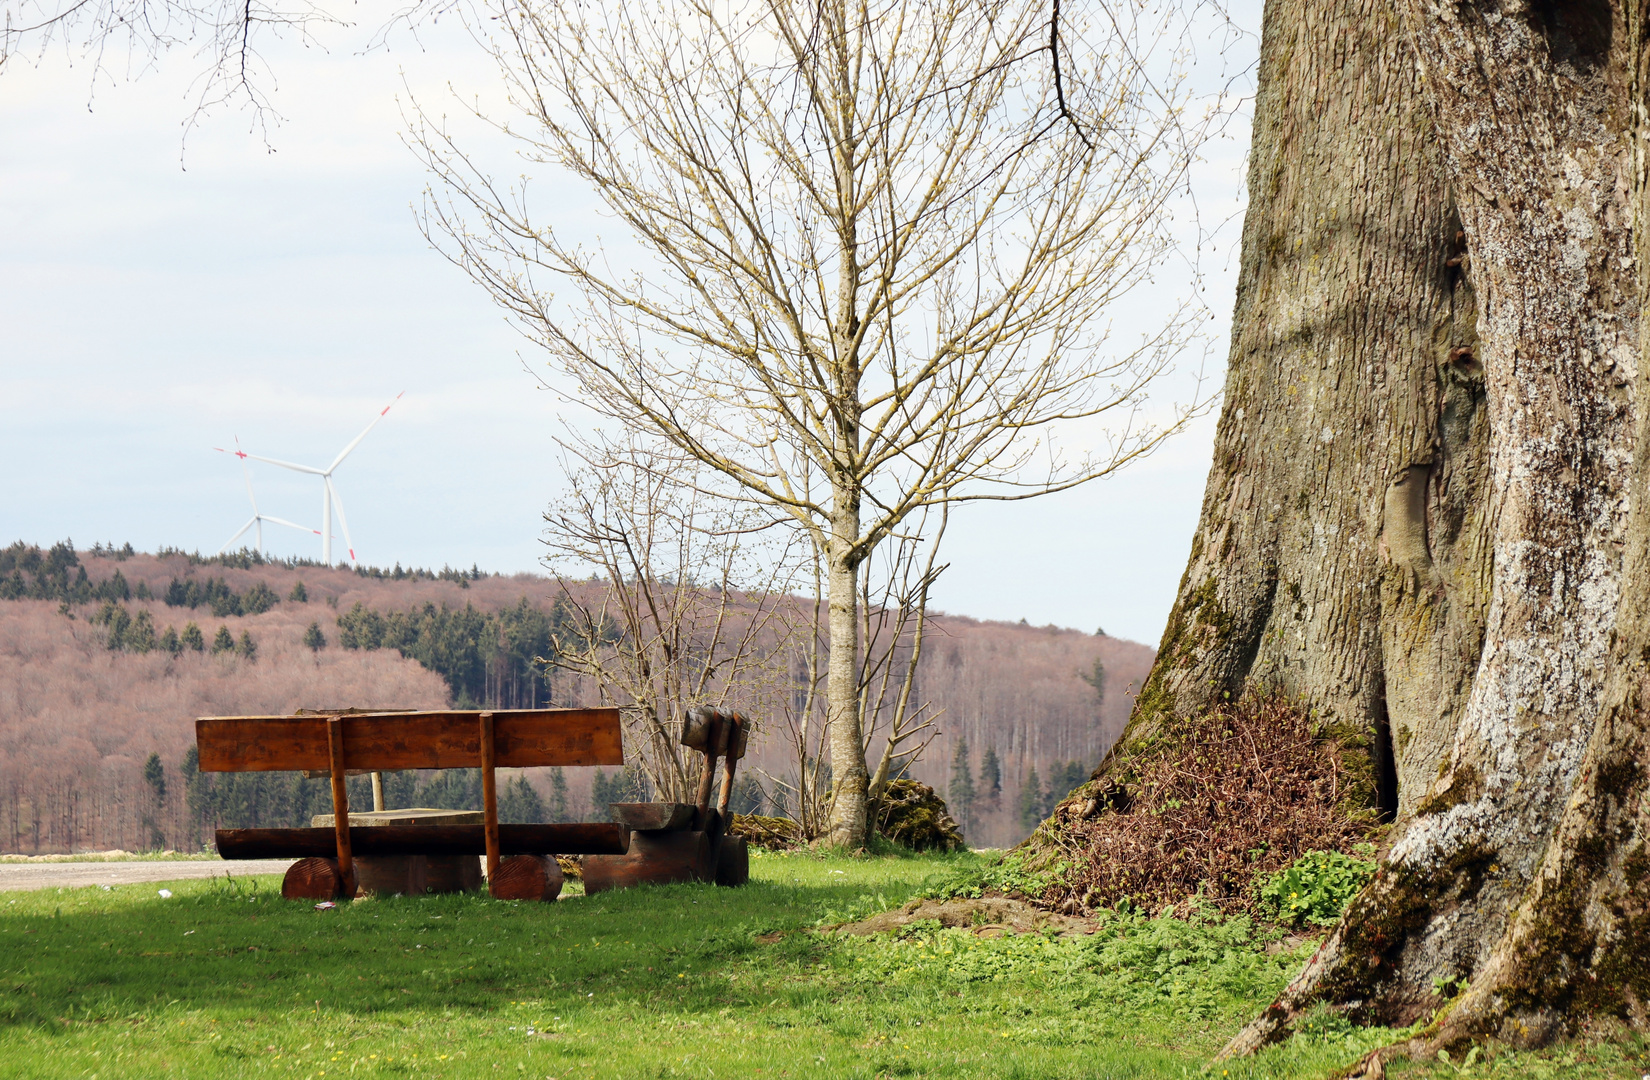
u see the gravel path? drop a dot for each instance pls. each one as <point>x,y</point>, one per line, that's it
<point>44,875</point>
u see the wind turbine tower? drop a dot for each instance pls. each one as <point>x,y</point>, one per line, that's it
<point>329,494</point>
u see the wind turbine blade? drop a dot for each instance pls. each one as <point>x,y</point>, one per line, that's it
<point>292,525</point>
<point>287,465</point>
<point>345,452</point>
<point>238,535</point>
<point>246,472</point>
<point>338,505</point>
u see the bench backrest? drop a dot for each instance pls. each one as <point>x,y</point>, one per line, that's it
<point>383,742</point>
<point>447,739</point>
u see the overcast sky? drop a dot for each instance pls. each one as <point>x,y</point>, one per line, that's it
<point>160,298</point>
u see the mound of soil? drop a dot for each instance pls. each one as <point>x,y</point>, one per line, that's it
<point>1202,809</point>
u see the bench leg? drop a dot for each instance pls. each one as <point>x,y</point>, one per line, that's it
<point>313,879</point>
<point>733,861</point>
<point>526,877</point>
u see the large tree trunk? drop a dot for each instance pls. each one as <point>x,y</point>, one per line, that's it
<point>1342,552</point>
<point>1533,108</point>
<point>1419,504</point>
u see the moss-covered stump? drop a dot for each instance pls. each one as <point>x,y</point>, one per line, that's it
<point>768,833</point>
<point>913,815</point>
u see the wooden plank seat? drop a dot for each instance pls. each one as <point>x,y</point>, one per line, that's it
<point>520,863</point>
<point>671,843</point>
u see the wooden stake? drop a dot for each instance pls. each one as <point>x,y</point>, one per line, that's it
<point>713,747</point>
<point>340,803</point>
<point>489,794</point>
<point>378,791</point>
<point>730,736</point>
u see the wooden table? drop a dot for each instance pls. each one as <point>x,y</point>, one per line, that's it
<point>413,875</point>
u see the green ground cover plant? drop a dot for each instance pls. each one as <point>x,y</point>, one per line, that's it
<point>227,980</point>
<point>1316,887</point>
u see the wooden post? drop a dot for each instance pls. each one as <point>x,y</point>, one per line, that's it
<point>489,794</point>
<point>378,791</point>
<point>713,745</point>
<point>730,735</point>
<point>340,803</point>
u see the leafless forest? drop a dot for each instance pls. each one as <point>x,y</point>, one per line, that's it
<point>79,720</point>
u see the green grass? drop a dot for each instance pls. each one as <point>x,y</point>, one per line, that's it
<point>229,980</point>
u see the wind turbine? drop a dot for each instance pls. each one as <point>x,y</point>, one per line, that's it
<point>329,494</point>
<point>257,520</point>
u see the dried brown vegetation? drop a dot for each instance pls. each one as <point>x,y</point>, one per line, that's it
<point>1199,811</point>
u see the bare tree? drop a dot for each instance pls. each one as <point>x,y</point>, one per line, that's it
<point>893,609</point>
<point>134,35</point>
<point>879,247</point>
<point>693,604</point>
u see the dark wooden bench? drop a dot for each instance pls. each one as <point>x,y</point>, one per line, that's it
<point>680,842</point>
<point>520,858</point>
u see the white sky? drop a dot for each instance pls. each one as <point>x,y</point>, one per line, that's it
<point>157,300</point>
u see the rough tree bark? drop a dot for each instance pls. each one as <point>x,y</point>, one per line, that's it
<point>1343,532</point>
<point>1419,506</point>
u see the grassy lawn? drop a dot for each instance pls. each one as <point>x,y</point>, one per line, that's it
<point>688,981</point>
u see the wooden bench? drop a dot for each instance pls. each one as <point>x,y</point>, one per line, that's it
<point>520,862</point>
<point>680,842</point>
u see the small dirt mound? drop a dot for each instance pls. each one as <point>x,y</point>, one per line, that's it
<point>1202,809</point>
<point>988,916</point>
<point>911,814</point>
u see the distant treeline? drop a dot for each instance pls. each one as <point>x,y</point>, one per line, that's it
<point>27,573</point>
<point>24,555</point>
<point>498,659</point>
<point>246,559</point>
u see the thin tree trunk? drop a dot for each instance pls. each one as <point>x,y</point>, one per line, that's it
<point>848,823</point>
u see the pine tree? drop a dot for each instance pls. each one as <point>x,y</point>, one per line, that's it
<point>960,794</point>
<point>140,636</point>
<point>1097,679</point>
<point>520,802</point>
<point>223,642</point>
<point>154,774</point>
<point>991,778</point>
<point>1031,801</point>
<point>247,648</point>
<point>557,811</point>
<point>298,595</point>
<point>314,639</point>
<point>192,638</point>
<point>169,641</point>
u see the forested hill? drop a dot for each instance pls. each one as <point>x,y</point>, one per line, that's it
<point>107,655</point>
